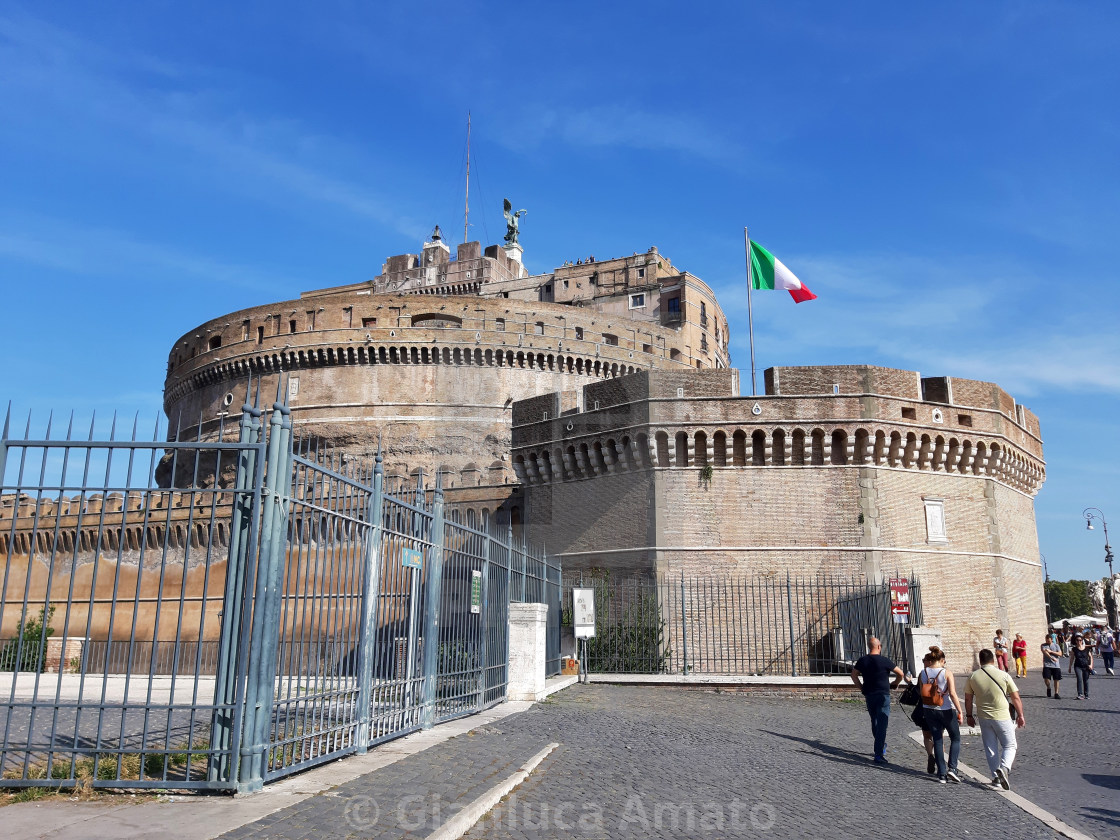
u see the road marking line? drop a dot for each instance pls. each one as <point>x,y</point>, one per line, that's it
<point>1024,804</point>
<point>463,821</point>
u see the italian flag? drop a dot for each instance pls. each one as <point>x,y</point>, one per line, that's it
<point>768,272</point>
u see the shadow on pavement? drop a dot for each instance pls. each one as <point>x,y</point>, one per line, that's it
<point>1104,815</point>
<point>1102,780</point>
<point>844,756</point>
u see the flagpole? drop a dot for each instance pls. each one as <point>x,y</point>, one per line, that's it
<point>750,314</point>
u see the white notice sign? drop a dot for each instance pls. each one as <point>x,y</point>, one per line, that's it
<point>583,613</point>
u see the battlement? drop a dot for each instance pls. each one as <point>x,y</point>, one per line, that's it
<point>668,420</point>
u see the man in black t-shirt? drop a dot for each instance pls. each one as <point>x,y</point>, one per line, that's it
<point>875,671</point>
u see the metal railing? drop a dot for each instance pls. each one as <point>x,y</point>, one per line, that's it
<point>746,625</point>
<point>187,614</point>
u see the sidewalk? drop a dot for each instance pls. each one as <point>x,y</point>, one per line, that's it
<point>201,817</point>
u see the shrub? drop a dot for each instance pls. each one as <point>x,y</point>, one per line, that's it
<point>23,652</point>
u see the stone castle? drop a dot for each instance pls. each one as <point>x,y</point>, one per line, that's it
<point>595,407</point>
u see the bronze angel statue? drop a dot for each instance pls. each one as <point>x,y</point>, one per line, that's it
<point>512,221</point>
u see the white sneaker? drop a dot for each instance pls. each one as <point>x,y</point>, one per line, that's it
<point>1001,777</point>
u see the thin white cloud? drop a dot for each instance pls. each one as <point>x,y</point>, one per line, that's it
<point>42,63</point>
<point>613,125</point>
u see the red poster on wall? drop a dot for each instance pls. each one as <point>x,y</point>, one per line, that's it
<point>900,600</point>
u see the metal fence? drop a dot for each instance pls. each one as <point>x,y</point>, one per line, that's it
<point>748,625</point>
<point>216,615</point>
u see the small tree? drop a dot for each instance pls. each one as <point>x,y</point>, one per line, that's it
<point>23,652</point>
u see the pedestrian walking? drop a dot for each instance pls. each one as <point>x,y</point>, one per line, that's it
<point>1019,654</point>
<point>1001,646</point>
<point>1107,650</point>
<point>1052,665</point>
<point>872,674</point>
<point>1081,660</point>
<point>1000,712</point>
<point>943,711</point>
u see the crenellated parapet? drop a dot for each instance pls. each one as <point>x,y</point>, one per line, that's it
<point>662,421</point>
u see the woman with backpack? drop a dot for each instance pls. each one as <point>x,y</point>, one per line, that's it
<point>942,711</point>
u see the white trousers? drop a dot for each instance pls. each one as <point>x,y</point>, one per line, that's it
<point>999,743</point>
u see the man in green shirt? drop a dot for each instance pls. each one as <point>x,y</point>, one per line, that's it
<point>995,694</point>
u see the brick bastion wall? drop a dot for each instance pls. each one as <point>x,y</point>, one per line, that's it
<point>834,471</point>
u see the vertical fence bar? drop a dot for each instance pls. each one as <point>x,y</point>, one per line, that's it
<point>684,629</point>
<point>367,634</point>
<point>430,658</point>
<point>792,638</point>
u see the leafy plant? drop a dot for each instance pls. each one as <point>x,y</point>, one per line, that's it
<point>706,475</point>
<point>635,643</point>
<point>23,652</point>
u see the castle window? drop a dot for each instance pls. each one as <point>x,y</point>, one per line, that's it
<point>935,521</point>
<point>369,322</point>
<point>505,294</point>
<point>539,329</point>
<point>349,314</point>
<point>579,333</point>
<point>641,272</point>
<point>292,325</point>
<point>647,348</point>
<point>245,330</point>
<point>612,340</point>
<point>260,335</point>
<point>703,314</point>
<point>565,284</point>
<point>909,414</point>
<point>637,301</point>
<point>214,342</point>
<point>500,324</point>
<point>704,343</point>
<point>964,419</point>
<point>675,354</point>
<point>673,304</point>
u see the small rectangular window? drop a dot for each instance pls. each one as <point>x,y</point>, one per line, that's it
<point>539,329</point>
<point>641,272</point>
<point>260,335</point>
<point>579,333</point>
<point>637,301</point>
<point>647,348</point>
<point>673,304</point>
<point>909,414</point>
<point>311,319</point>
<point>500,324</point>
<point>292,325</point>
<point>244,330</point>
<point>348,315</point>
<point>214,342</point>
<point>964,419</point>
<point>565,284</point>
<point>369,322</point>
<point>612,340</point>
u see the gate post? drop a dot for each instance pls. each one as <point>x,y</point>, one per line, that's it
<point>371,596</point>
<point>224,725</point>
<point>267,600</point>
<point>432,601</point>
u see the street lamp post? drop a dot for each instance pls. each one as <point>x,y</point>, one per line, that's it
<point>1046,589</point>
<point>1090,514</point>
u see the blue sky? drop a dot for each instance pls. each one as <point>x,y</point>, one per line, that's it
<point>945,179</point>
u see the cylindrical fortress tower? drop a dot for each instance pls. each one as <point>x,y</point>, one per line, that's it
<point>432,371</point>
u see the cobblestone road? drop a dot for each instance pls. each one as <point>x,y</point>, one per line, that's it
<point>648,762</point>
<point>1069,753</point>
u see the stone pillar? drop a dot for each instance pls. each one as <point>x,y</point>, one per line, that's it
<point>528,634</point>
<point>918,641</point>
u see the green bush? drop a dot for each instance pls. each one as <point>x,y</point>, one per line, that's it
<point>22,653</point>
<point>635,643</point>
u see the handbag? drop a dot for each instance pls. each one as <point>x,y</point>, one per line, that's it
<point>918,716</point>
<point>909,696</point>
<point>1010,705</point>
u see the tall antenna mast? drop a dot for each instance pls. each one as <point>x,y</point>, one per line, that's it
<point>467,193</point>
